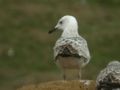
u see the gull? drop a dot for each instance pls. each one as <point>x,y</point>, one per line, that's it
<point>109,78</point>
<point>71,52</point>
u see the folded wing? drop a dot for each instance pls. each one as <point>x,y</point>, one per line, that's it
<point>76,47</point>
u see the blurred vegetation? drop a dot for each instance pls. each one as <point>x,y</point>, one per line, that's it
<point>26,54</point>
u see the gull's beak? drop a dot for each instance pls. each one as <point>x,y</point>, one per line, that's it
<point>51,31</point>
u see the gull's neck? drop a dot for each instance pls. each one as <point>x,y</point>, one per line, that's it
<point>70,33</point>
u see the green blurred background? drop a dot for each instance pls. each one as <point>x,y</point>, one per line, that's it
<point>26,54</point>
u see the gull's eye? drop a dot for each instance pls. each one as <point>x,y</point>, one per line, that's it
<point>61,22</point>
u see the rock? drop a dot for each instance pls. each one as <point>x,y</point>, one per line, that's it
<point>62,85</point>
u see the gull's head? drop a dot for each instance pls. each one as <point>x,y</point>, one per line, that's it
<point>113,63</point>
<point>66,23</point>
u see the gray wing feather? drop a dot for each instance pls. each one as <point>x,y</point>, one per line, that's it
<point>79,44</point>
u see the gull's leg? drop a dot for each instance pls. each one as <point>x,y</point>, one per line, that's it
<point>64,73</point>
<point>79,74</point>
<point>79,77</point>
<point>64,76</point>
<point>71,74</point>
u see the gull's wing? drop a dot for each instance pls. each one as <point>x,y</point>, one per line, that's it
<point>67,50</point>
<point>75,45</point>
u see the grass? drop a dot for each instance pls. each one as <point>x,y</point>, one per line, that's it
<point>24,25</point>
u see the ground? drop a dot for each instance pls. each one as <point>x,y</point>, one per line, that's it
<point>61,85</point>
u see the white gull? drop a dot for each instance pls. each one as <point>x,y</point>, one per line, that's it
<point>71,52</point>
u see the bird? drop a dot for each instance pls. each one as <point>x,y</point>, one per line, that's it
<point>109,78</point>
<point>71,51</point>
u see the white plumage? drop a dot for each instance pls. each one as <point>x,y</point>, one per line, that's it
<point>109,78</point>
<point>70,51</point>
